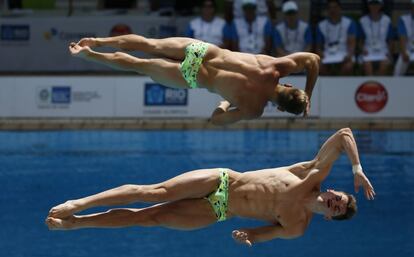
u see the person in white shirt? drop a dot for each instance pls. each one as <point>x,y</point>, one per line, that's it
<point>377,33</point>
<point>406,39</point>
<point>250,34</point>
<point>292,34</point>
<point>336,41</point>
<point>208,27</point>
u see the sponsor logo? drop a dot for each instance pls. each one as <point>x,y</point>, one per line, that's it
<point>119,30</point>
<point>14,32</point>
<point>66,35</point>
<point>54,95</point>
<point>159,95</point>
<point>61,97</point>
<point>371,97</point>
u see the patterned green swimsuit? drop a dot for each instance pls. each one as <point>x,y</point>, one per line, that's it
<point>194,54</point>
<point>219,198</point>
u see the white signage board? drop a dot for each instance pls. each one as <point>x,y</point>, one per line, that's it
<point>367,97</point>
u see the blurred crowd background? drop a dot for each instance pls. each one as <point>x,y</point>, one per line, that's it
<point>371,37</point>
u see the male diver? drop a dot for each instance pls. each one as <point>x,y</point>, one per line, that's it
<point>285,197</point>
<point>246,81</point>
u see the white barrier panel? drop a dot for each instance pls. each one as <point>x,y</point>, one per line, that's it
<point>154,100</point>
<point>58,97</point>
<point>136,96</point>
<point>7,96</point>
<point>365,97</point>
<point>41,43</point>
<point>132,96</point>
<point>141,97</point>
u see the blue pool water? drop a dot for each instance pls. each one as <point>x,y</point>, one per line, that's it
<point>41,169</point>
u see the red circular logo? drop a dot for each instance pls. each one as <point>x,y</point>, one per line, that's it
<point>120,29</point>
<point>371,97</point>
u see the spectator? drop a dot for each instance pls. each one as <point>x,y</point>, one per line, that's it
<point>234,9</point>
<point>336,41</point>
<point>406,39</point>
<point>292,35</point>
<point>208,27</point>
<point>250,34</point>
<point>376,30</point>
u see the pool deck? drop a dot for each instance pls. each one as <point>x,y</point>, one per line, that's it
<point>184,124</point>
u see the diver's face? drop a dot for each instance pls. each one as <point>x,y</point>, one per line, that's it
<point>285,87</point>
<point>333,203</point>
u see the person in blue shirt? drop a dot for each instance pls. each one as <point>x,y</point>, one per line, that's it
<point>291,35</point>
<point>336,41</point>
<point>250,34</point>
<point>376,34</point>
<point>406,40</point>
<point>208,27</point>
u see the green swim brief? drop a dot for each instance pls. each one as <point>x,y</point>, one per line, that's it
<point>194,54</point>
<point>219,198</point>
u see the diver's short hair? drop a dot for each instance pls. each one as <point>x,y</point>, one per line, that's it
<point>293,100</point>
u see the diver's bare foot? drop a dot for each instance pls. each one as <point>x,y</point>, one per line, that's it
<point>60,224</point>
<point>64,210</point>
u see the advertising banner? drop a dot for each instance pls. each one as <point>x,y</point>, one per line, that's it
<point>370,97</point>
<point>60,97</point>
<point>136,97</point>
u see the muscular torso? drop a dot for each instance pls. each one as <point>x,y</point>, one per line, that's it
<point>272,195</point>
<point>245,80</point>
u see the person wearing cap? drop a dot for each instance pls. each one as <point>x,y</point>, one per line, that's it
<point>291,35</point>
<point>406,40</point>
<point>251,33</point>
<point>208,27</point>
<point>377,34</point>
<point>336,41</point>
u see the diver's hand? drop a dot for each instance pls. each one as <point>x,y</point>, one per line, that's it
<point>79,51</point>
<point>242,236</point>
<point>361,180</point>
<point>307,109</point>
<point>308,104</point>
<point>88,41</point>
